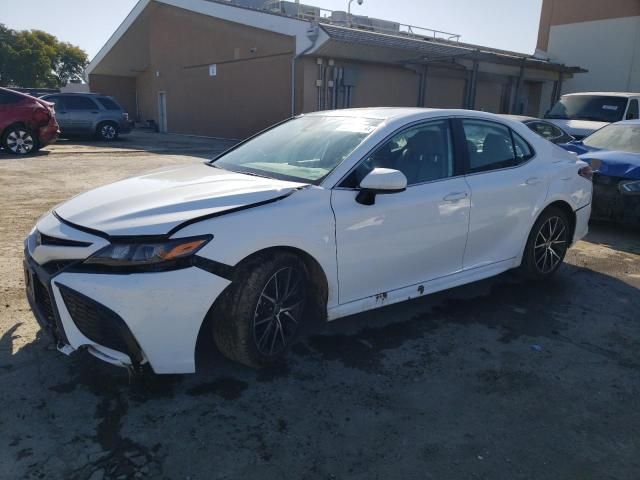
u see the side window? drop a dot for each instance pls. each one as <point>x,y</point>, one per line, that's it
<point>108,104</point>
<point>7,98</point>
<point>57,102</point>
<point>633,113</point>
<point>492,146</point>
<point>545,130</point>
<point>79,103</point>
<point>423,153</point>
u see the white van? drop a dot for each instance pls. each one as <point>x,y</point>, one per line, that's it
<point>581,114</point>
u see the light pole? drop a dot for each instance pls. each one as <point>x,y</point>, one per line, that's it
<point>349,8</point>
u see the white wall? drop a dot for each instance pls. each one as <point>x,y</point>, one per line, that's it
<point>609,49</point>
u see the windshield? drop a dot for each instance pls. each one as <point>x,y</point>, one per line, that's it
<point>621,138</point>
<point>589,107</point>
<point>305,149</point>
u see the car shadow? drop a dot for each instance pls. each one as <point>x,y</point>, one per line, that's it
<point>389,344</point>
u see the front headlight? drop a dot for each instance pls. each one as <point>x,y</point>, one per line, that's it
<point>631,187</point>
<point>148,255</point>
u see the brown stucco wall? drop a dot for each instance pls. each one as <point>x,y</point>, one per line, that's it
<point>251,91</point>
<point>445,88</point>
<point>123,89</point>
<point>383,86</point>
<point>562,12</point>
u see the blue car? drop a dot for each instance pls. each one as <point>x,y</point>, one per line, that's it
<point>614,155</point>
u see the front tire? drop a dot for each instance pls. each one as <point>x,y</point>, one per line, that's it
<point>107,131</point>
<point>19,140</point>
<point>260,316</point>
<point>547,244</point>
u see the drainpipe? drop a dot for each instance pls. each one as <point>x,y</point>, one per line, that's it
<point>312,34</point>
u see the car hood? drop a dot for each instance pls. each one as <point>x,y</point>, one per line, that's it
<point>578,128</point>
<point>614,164</point>
<point>159,202</point>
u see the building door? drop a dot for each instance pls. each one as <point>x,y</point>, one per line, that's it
<point>162,112</point>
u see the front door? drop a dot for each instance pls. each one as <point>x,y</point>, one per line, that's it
<point>404,238</point>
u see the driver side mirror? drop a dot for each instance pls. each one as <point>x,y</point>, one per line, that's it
<point>380,181</point>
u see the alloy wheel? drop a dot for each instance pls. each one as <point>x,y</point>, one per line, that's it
<point>550,245</point>
<point>20,141</point>
<point>108,132</point>
<point>278,311</point>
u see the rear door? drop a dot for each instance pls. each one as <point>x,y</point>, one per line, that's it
<point>507,187</point>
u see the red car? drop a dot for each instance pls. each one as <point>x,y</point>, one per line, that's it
<point>26,123</point>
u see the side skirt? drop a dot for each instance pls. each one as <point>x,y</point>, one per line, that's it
<point>420,289</point>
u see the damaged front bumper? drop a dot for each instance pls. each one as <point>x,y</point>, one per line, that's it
<point>126,319</point>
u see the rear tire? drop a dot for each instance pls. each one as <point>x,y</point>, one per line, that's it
<point>547,245</point>
<point>260,315</point>
<point>19,140</point>
<point>107,131</point>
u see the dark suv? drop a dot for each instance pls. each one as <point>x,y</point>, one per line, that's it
<point>26,123</point>
<point>89,114</point>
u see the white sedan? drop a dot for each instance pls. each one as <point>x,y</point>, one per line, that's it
<point>322,216</point>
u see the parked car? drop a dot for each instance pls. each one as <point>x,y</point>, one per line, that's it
<point>581,114</point>
<point>614,155</point>
<point>26,123</point>
<point>323,216</point>
<point>90,114</point>
<point>546,130</point>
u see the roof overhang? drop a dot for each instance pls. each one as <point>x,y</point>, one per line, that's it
<point>356,44</point>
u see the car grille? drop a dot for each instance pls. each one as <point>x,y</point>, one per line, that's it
<point>99,324</point>
<point>60,242</point>
<point>43,301</point>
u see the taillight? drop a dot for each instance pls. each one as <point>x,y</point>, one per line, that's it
<point>41,116</point>
<point>586,172</point>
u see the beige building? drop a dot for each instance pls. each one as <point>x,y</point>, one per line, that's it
<point>216,68</point>
<point>601,36</point>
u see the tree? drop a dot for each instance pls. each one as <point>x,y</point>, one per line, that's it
<point>33,58</point>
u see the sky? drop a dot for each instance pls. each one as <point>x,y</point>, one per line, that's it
<point>506,24</point>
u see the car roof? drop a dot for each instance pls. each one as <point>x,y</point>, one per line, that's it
<point>604,94</point>
<point>520,118</point>
<point>400,113</point>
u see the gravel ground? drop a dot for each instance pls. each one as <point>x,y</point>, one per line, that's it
<point>501,379</point>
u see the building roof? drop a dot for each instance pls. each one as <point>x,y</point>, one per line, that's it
<point>323,39</point>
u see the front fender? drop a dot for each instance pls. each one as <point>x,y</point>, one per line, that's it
<point>303,221</point>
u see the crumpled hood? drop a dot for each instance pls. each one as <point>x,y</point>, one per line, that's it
<point>614,164</point>
<point>155,203</point>
<point>578,128</point>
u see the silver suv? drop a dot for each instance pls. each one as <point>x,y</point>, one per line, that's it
<point>89,113</point>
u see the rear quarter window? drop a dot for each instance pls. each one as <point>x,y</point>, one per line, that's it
<point>8,98</point>
<point>108,104</point>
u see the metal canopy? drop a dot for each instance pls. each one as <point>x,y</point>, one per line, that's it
<point>366,45</point>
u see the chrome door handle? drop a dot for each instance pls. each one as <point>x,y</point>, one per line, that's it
<point>456,196</point>
<point>532,181</point>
